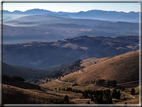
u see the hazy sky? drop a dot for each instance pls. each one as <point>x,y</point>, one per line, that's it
<point>73,7</point>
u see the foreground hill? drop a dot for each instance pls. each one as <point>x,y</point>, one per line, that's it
<point>16,95</point>
<point>122,68</point>
<point>47,54</point>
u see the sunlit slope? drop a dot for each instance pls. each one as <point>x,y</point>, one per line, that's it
<point>91,61</point>
<point>122,68</point>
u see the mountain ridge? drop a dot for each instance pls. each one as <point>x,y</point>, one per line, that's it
<point>44,10</point>
<point>47,54</point>
<point>105,15</point>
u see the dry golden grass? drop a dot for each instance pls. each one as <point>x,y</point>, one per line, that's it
<point>82,101</point>
<point>15,95</point>
<point>54,84</point>
<point>92,61</point>
<point>89,87</point>
<point>122,68</point>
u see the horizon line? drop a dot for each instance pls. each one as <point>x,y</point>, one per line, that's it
<point>72,12</point>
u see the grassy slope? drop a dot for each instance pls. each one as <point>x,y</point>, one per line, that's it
<point>15,95</point>
<point>122,68</point>
<point>56,84</point>
<point>91,61</point>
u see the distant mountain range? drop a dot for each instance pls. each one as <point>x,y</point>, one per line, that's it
<point>48,54</point>
<point>44,25</point>
<point>90,14</point>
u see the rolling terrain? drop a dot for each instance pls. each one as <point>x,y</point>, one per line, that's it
<point>48,54</point>
<point>122,68</point>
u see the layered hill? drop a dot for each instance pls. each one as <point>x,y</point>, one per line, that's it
<point>122,68</point>
<point>47,28</point>
<point>47,54</point>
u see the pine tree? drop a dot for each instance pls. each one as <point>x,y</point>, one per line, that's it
<point>100,99</point>
<point>92,99</point>
<point>118,94</point>
<point>132,91</point>
<point>123,88</point>
<point>114,93</point>
<point>66,99</point>
<point>109,100</point>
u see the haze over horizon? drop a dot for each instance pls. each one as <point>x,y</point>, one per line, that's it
<point>73,7</point>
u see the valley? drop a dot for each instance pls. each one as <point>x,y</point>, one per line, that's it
<point>65,90</point>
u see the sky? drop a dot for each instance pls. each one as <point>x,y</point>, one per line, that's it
<point>73,7</point>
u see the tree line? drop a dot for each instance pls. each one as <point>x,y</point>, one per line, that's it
<point>12,78</point>
<point>104,82</point>
<point>97,96</point>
